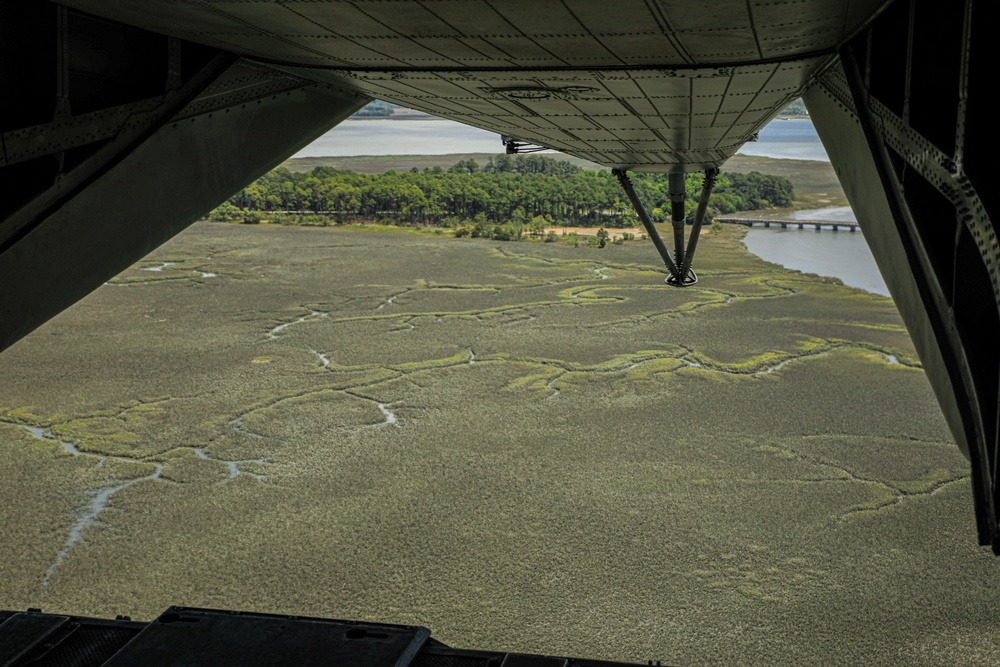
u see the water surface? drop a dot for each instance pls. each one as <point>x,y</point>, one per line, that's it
<point>841,254</point>
<point>792,139</point>
<point>383,136</point>
<point>831,213</point>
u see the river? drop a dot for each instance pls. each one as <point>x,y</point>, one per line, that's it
<point>842,255</point>
<point>384,136</point>
<point>791,139</point>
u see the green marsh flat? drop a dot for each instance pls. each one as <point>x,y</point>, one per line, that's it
<point>523,446</point>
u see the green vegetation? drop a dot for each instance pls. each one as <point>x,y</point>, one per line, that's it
<point>503,199</point>
<point>796,108</point>
<point>379,164</point>
<point>376,109</point>
<point>476,435</point>
<point>815,182</point>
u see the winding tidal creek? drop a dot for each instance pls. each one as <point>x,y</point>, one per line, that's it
<point>475,435</point>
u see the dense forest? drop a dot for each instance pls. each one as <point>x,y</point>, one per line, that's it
<point>522,192</point>
<point>796,108</point>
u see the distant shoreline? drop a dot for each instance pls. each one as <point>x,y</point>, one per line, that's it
<point>406,117</point>
<point>400,114</point>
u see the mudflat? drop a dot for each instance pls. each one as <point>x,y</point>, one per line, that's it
<point>523,446</point>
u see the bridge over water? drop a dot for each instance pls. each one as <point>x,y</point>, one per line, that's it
<point>818,225</point>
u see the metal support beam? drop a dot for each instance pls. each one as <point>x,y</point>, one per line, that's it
<point>157,186</point>
<point>678,194</point>
<point>640,210</point>
<point>62,64</point>
<point>895,118</point>
<point>699,219</point>
<point>679,265</point>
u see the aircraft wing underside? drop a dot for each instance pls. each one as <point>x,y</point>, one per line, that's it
<point>634,119</point>
<point>667,86</point>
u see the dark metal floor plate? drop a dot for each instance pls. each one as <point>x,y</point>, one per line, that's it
<point>183,636</point>
<point>20,633</point>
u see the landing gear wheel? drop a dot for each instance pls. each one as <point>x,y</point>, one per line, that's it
<point>690,279</point>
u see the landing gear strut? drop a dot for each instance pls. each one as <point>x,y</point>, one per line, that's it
<point>681,273</point>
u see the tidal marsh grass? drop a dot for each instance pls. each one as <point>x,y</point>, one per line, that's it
<point>493,440</point>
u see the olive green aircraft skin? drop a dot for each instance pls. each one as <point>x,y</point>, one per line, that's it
<point>167,107</point>
<point>647,86</point>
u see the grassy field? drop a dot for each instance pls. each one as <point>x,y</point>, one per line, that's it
<point>523,446</point>
<point>816,184</point>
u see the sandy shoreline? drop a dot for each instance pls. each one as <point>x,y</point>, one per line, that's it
<point>613,232</point>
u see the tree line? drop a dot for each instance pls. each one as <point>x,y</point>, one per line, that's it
<point>526,192</point>
<point>376,109</point>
